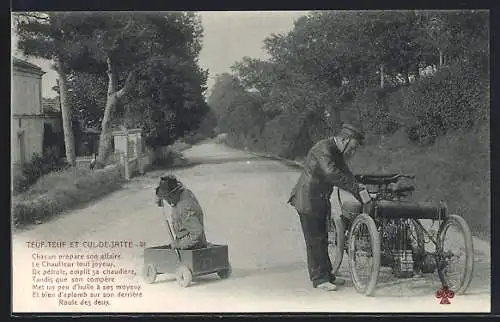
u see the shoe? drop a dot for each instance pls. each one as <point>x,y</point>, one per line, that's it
<point>338,281</point>
<point>327,286</point>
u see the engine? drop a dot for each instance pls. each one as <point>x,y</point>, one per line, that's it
<point>397,247</point>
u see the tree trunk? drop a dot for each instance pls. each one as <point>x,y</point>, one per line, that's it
<point>125,155</point>
<point>104,138</point>
<point>381,76</point>
<point>69,139</point>
<point>112,100</point>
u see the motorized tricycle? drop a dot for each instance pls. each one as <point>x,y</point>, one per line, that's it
<point>389,232</point>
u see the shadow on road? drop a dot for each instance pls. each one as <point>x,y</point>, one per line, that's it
<point>237,273</point>
<point>193,161</point>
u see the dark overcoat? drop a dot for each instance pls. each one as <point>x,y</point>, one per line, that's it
<point>324,168</point>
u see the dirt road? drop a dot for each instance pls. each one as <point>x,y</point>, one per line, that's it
<point>244,198</point>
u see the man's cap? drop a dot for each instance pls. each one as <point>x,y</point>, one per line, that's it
<point>353,131</point>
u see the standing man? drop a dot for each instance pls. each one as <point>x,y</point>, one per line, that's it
<point>187,215</point>
<point>324,168</point>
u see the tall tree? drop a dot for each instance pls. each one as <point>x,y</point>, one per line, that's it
<point>119,45</point>
<point>48,36</point>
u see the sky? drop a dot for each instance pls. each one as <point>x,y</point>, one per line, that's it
<point>228,37</point>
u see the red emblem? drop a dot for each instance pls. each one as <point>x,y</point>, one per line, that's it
<point>445,295</point>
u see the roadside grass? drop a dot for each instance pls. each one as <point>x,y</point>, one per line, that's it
<point>455,169</point>
<point>67,189</point>
<point>63,190</point>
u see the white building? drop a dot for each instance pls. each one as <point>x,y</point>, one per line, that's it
<point>28,121</point>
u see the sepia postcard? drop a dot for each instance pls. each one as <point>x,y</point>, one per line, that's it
<point>251,161</point>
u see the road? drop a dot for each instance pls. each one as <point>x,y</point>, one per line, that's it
<point>244,198</point>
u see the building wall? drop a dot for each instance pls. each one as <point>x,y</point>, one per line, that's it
<point>27,138</point>
<point>29,129</point>
<point>26,93</point>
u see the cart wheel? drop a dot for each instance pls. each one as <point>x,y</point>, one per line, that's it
<point>184,276</point>
<point>364,240</point>
<point>149,273</point>
<point>336,241</point>
<point>456,281</point>
<point>225,273</point>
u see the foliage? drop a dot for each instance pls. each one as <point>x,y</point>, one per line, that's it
<point>87,95</point>
<point>102,53</point>
<point>160,51</point>
<point>167,101</point>
<point>50,36</point>
<point>359,66</point>
<point>455,98</point>
<point>63,190</point>
<point>38,166</point>
<point>291,135</point>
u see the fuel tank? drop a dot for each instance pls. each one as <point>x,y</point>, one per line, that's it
<point>407,209</point>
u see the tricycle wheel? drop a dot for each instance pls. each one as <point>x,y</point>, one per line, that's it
<point>364,241</point>
<point>149,273</point>
<point>457,280</point>
<point>225,273</point>
<point>184,276</point>
<point>336,241</point>
<point>418,238</point>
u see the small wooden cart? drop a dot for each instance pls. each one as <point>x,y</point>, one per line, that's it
<point>187,264</point>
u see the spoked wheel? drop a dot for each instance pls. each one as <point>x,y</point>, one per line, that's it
<point>455,254</point>
<point>336,241</point>
<point>364,254</point>
<point>418,241</point>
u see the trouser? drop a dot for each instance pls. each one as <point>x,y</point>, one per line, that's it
<point>315,231</point>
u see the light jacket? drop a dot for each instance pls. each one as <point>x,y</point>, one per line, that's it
<point>187,222</point>
<point>324,168</point>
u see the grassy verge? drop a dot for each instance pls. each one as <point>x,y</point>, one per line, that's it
<point>63,190</point>
<point>455,169</point>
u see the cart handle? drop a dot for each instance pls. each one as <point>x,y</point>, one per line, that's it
<point>172,238</point>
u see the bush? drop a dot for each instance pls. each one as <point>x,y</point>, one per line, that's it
<point>194,138</point>
<point>375,107</point>
<point>454,98</point>
<point>62,190</point>
<point>170,155</point>
<point>221,138</point>
<point>292,134</point>
<point>38,166</point>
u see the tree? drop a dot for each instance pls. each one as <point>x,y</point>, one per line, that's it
<point>119,45</point>
<point>46,35</point>
<point>156,53</point>
<point>167,99</point>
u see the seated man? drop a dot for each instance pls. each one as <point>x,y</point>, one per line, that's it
<point>187,215</point>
